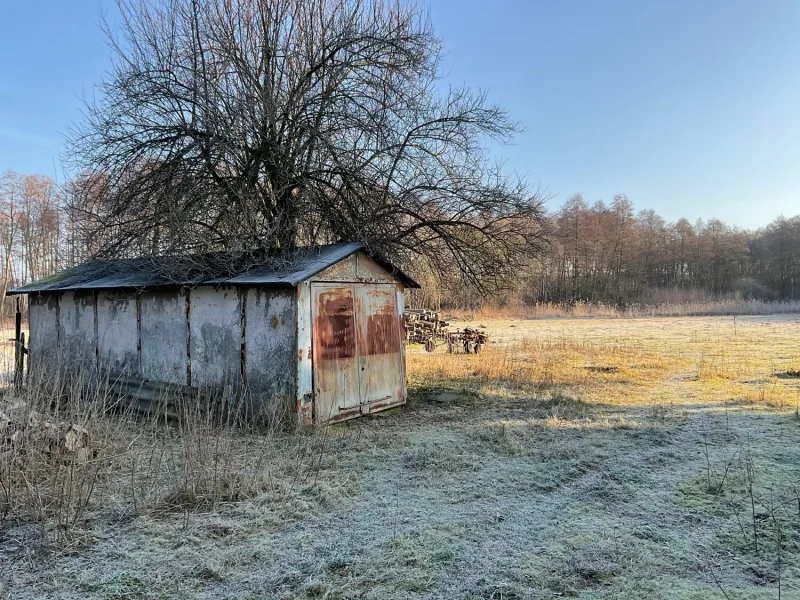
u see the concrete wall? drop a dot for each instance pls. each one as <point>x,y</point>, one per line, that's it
<point>43,324</point>
<point>118,332</point>
<point>271,348</point>
<point>164,336</point>
<point>65,327</point>
<point>76,329</point>
<point>215,322</point>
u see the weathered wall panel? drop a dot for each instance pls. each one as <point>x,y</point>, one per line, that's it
<point>379,346</point>
<point>368,270</point>
<point>336,377</point>
<point>358,267</point>
<point>76,335</point>
<point>271,349</point>
<point>304,379</point>
<point>216,336</point>
<point>401,309</point>
<point>117,333</point>
<point>43,324</point>
<point>164,336</point>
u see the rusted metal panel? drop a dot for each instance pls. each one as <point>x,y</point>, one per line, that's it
<point>336,387</point>
<point>379,343</point>
<point>118,332</point>
<point>164,335</point>
<point>358,353</point>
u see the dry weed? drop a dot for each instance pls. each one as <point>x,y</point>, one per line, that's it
<point>656,307</point>
<point>140,463</point>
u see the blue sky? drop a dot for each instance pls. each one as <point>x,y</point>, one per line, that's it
<point>691,108</point>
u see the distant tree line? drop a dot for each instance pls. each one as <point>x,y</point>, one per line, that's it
<point>609,253</point>
<point>33,230</point>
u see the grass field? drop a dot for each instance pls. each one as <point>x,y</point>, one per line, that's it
<point>589,458</point>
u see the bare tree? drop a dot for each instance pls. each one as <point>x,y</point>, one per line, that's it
<point>11,184</point>
<point>277,123</point>
<point>40,226</point>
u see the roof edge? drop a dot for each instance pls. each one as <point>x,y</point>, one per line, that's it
<point>405,279</point>
<point>348,249</point>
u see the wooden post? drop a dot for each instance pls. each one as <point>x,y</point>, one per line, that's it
<point>19,372</point>
<point>19,343</point>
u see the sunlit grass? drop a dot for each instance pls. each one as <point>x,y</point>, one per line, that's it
<point>638,362</point>
<point>659,308</point>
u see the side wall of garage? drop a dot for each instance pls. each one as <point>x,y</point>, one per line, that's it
<point>215,333</point>
<point>270,349</point>
<point>118,332</point>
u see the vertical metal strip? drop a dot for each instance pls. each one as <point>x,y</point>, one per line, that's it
<point>95,298</point>
<point>358,329</point>
<point>243,356</point>
<point>139,331</point>
<point>58,320</point>
<point>399,294</point>
<point>299,351</point>
<point>188,337</point>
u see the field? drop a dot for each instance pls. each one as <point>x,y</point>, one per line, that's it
<point>589,458</point>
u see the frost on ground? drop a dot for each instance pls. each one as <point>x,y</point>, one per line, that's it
<point>648,458</point>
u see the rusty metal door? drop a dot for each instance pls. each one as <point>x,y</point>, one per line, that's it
<point>336,369</point>
<point>379,346</point>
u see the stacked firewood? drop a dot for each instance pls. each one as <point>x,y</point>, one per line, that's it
<point>423,325</point>
<point>25,432</point>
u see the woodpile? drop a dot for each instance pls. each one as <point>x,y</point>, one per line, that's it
<point>25,432</point>
<point>424,326</point>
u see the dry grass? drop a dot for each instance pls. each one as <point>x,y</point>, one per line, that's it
<point>694,307</point>
<point>139,464</point>
<point>602,458</point>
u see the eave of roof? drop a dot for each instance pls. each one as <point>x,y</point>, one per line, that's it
<point>141,274</point>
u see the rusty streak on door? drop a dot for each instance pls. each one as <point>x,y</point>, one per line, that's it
<point>357,349</point>
<point>379,346</point>
<point>335,356</point>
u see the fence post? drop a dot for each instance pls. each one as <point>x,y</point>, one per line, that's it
<point>17,347</point>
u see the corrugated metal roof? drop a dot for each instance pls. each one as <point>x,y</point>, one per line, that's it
<point>309,264</point>
<point>259,268</point>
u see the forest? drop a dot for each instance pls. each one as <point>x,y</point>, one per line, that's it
<point>595,253</point>
<point>610,253</point>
